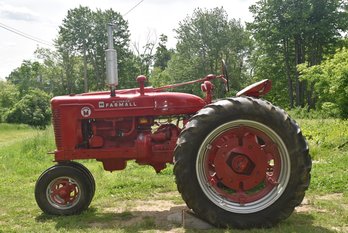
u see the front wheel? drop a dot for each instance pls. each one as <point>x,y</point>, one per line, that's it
<point>243,163</point>
<point>85,170</point>
<point>63,190</point>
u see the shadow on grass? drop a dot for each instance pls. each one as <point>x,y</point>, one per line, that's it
<point>302,222</point>
<point>132,221</point>
<point>138,221</point>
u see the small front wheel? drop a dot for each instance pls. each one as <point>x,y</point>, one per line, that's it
<point>85,170</point>
<point>63,190</point>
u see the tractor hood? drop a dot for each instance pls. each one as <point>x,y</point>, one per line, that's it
<point>129,103</point>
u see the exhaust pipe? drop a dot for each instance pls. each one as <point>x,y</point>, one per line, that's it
<point>111,62</point>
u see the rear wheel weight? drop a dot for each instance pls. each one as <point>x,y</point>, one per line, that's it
<point>247,163</point>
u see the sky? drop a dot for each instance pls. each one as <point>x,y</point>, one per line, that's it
<point>41,19</point>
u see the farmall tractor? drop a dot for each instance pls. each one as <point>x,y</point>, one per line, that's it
<point>238,162</point>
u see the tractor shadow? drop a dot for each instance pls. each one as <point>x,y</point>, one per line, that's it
<point>139,221</point>
<point>129,221</point>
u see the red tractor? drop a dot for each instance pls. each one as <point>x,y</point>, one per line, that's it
<point>239,162</point>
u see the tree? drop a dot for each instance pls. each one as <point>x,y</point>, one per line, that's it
<point>145,55</point>
<point>75,33</point>
<point>162,55</point>
<point>270,66</point>
<point>121,40</point>
<point>83,35</point>
<point>27,76</point>
<point>53,71</point>
<point>78,63</point>
<point>296,31</point>
<point>159,74</point>
<point>203,40</point>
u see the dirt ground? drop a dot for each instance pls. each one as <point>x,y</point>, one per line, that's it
<point>167,216</point>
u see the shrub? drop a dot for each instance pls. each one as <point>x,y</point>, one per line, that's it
<point>33,109</point>
<point>9,95</point>
<point>330,81</point>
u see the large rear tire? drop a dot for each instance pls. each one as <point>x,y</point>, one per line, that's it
<point>243,163</point>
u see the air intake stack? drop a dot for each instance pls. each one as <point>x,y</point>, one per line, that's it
<point>111,62</point>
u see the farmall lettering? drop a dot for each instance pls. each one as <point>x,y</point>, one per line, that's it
<point>117,104</point>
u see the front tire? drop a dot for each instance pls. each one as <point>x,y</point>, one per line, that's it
<point>242,162</point>
<point>63,190</point>
<point>85,170</point>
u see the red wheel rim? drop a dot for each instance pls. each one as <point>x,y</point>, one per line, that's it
<point>63,193</point>
<point>243,165</point>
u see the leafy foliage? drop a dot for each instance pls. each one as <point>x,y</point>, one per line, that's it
<point>33,109</point>
<point>330,80</point>
<point>83,34</point>
<point>162,55</point>
<point>293,32</point>
<point>285,33</point>
<point>9,95</point>
<point>26,76</point>
<point>203,40</point>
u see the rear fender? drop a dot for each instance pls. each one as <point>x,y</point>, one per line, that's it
<point>256,90</point>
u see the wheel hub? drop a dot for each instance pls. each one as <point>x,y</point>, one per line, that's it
<point>240,164</point>
<point>63,192</point>
<point>240,161</point>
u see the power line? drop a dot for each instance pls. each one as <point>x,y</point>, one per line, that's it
<point>20,33</point>
<point>25,35</point>
<point>135,6</point>
<point>38,40</point>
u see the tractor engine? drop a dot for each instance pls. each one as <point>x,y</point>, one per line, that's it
<point>151,140</point>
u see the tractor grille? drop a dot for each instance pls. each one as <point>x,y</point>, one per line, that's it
<point>57,128</point>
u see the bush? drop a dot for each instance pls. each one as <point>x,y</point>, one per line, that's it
<point>330,81</point>
<point>331,109</point>
<point>33,109</point>
<point>305,113</point>
<point>9,95</point>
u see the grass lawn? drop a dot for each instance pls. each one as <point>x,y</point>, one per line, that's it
<point>11,133</point>
<point>139,200</point>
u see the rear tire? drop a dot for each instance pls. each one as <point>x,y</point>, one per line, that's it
<point>63,190</point>
<point>243,163</point>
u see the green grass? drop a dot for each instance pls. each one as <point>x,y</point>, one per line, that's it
<point>328,141</point>
<point>10,133</point>
<point>135,199</point>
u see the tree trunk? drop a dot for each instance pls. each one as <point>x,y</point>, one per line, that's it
<point>68,74</point>
<point>85,69</point>
<point>303,93</point>
<point>311,97</point>
<point>96,70</point>
<point>63,88</point>
<point>288,71</point>
<point>299,59</point>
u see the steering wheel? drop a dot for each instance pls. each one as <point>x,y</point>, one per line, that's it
<point>225,74</point>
